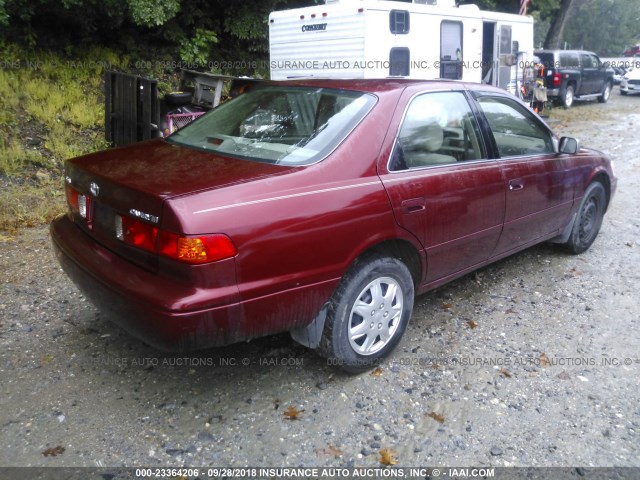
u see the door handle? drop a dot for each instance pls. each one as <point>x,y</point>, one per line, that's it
<point>413,205</point>
<point>516,185</point>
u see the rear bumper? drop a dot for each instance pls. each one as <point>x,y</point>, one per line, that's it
<point>138,299</point>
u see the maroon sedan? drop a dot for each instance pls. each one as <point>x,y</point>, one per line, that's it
<point>321,208</point>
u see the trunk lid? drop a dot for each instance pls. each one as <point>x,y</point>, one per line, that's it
<point>136,180</point>
<point>163,170</point>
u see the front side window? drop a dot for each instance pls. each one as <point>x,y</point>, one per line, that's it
<point>283,125</point>
<point>438,129</point>
<point>587,61</point>
<point>516,131</point>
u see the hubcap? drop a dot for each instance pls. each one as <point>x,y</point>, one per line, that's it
<point>375,316</point>
<point>568,98</point>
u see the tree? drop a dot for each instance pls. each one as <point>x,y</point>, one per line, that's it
<point>554,36</point>
<point>606,27</point>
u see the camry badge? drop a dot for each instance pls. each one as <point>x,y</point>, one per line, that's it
<point>94,188</point>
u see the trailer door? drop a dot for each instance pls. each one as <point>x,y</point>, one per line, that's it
<point>505,45</point>
<point>489,53</point>
<point>451,54</point>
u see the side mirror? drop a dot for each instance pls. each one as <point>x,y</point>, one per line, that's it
<point>569,145</point>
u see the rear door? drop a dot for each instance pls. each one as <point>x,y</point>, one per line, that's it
<point>442,186</point>
<point>537,179</point>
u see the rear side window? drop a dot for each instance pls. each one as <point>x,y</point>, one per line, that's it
<point>516,131</point>
<point>438,129</point>
<point>570,60</point>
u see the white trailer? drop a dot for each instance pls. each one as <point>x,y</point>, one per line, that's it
<point>426,39</point>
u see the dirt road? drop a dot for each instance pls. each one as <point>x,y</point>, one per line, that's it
<point>533,361</point>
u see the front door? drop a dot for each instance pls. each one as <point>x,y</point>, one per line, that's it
<point>538,191</point>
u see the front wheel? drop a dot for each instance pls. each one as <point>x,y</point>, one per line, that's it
<point>368,313</point>
<point>606,93</point>
<point>589,219</point>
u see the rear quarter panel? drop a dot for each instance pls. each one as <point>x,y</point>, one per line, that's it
<point>297,234</point>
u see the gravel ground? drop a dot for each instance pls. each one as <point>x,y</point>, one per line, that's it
<point>532,361</point>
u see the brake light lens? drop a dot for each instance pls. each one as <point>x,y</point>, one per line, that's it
<point>188,249</point>
<point>557,79</point>
<point>136,233</point>
<point>198,249</point>
<point>80,204</point>
<point>72,198</point>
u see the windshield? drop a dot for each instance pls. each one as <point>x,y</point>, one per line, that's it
<point>283,125</point>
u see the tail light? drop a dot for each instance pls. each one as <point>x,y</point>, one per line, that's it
<point>188,249</point>
<point>136,233</point>
<point>80,204</point>
<point>72,198</point>
<point>557,79</point>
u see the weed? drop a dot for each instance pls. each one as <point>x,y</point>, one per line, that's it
<point>14,158</point>
<point>51,109</point>
<point>30,205</point>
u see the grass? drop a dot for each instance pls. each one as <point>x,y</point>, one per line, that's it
<point>30,205</point>
<point>51,109</point>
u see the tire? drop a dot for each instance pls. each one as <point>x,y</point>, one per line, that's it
<point>368,313</point>
<point>589,219</point>
<point>568,97</point>
<point>178,98</point>
<point>606,93</point>
<point>623,92</point>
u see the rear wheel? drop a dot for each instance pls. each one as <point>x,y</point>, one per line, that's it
<point>589,219</point>
<point>568,97</point>
<point>606,93</point>
<point>368,314</point>
<point>623,92</point>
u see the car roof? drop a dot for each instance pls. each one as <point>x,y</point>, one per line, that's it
<point>385,84</point>
<point>558,50</point>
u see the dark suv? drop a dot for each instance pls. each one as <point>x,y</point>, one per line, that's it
<point>575,74</point>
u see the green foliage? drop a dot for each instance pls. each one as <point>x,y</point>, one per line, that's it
<point>51,109</point>
<point>606,27</point>
<point>198,49</point>
<point>153,13</point>
<point>4,18</point>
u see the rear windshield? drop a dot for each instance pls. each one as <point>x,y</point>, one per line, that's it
<point>278,124</point>
<point>546,59</point>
